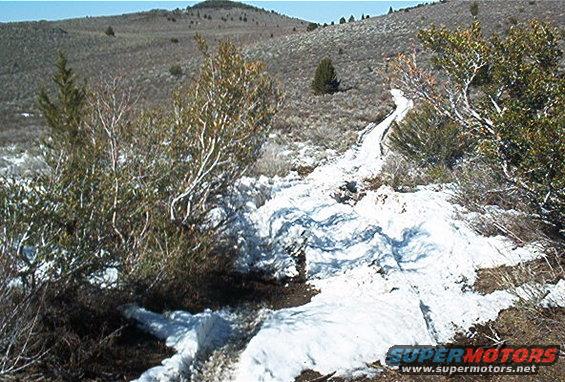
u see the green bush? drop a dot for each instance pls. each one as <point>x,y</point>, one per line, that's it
<point>426,138</point>
<point>175,70</point>
<point>474,9</point>
<point>109,31</point>
<point>509,95</point>
<point>311,27</point>
<point>120,191</point>
<point>325,79</point>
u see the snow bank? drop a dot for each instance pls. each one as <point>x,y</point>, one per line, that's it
<point>190,335</point>
<point>393,268</point>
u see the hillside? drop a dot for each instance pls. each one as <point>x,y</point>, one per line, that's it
<point>143,49</point>
<point>360,51</point>
<point>142,52</point>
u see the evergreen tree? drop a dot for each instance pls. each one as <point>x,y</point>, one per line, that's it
<point>390,10</point>
<point>325,79</point>
<point>351,19</point>
<point>109,31</point>
<point>474,8</point>
<point>64,116</point>
<point>512,104</point>
<point>342,20</point>
<point>311,27</point>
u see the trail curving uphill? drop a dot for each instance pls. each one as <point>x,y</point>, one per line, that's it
<point>392,268</point>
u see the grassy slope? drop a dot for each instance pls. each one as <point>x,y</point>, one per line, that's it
<point>142,52</point>
<point>360,51</point>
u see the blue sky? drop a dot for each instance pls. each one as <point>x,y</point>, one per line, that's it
<point>319,11</point>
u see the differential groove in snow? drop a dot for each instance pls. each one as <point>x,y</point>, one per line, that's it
<point>393,268</point>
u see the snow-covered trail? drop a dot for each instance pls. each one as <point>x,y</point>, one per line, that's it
<point>392,268</point>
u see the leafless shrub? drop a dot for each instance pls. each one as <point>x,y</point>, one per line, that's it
<point>273,161</point>
<point>20,348</point>
<point>500,208</point>
<point>21,297</point>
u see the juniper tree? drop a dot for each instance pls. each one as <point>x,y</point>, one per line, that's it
<point>474,9</point>
<point>508,93</point>
<point>325,79</point>
<point>425,138</point>
<point>64,116</point>
<point>311,27</point>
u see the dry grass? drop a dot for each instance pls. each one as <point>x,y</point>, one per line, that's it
<point>142,52</point>
<point>404,176</point>
<point>360,52</point>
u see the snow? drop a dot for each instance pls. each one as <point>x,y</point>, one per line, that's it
<point>555,296</point>
<point>395,268</point>
<point>188,334</point>
<point>392,268</point>
<point>545,295</point>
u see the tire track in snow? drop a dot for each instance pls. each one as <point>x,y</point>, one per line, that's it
<point>413,296</point>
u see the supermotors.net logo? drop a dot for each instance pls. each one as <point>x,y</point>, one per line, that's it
<point>471,359</point>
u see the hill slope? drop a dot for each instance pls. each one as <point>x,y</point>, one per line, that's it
<point>143,49</point>
<point>359,51</point>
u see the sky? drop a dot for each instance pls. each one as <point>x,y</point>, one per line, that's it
<point>317,11</point>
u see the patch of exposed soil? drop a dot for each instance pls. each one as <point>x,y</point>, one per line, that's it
<point>544,270</point>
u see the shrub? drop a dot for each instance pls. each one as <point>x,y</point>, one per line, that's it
<point>109,31</point>
<point>21,293</point>
<point>134,193</point>
<point>174,40</point>
<point>509,95</point>
<point>426,138</point>
<point>325,79</point>
<point>311,27</point>
<point>124,192</point>
<point>342,20</point>
<point>405,176</point>
<point>175,70</point>
<point>351,19</point>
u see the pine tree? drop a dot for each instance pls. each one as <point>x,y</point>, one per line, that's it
<point>474,8</point>
<point>64,116</point>
<point>109,31</point>
<point>390,10</point>
<point>325,79</point>
<point>351,18</point>
<point>342,20</point>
